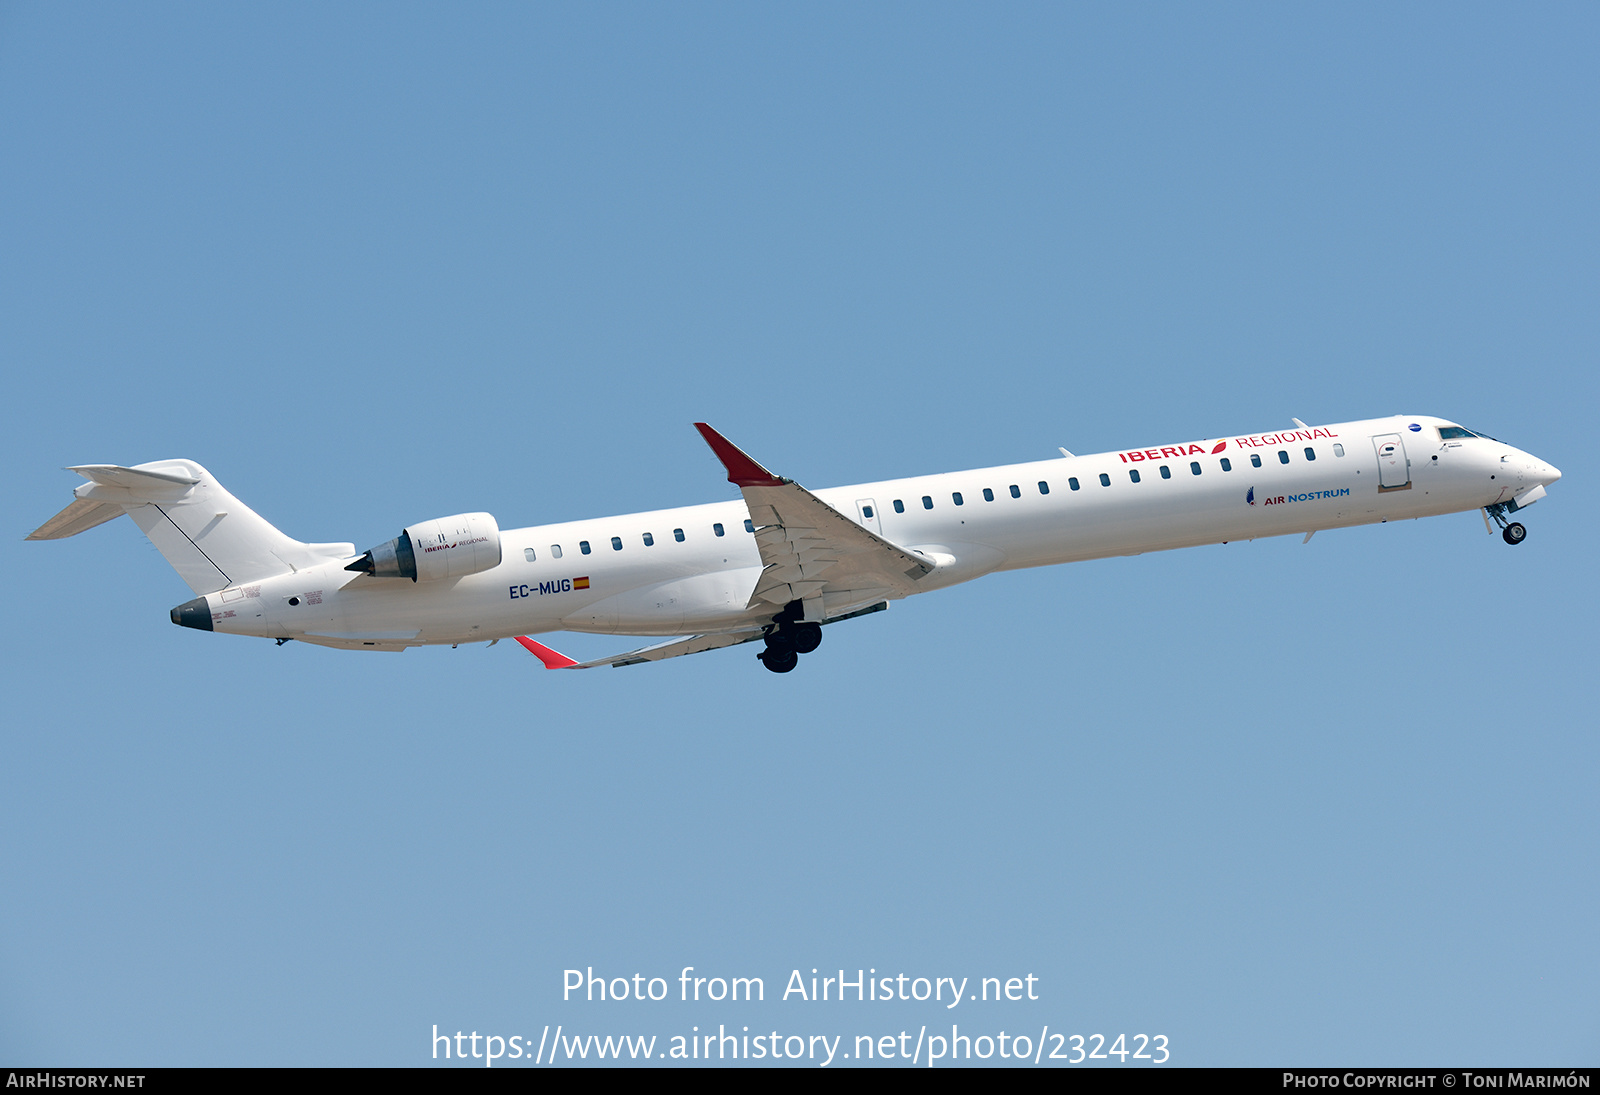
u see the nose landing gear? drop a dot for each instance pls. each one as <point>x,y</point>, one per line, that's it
<point>1512,532</point>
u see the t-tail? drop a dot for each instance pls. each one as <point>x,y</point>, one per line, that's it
<point>211,538</point>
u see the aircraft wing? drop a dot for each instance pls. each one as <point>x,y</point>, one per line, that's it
<point>808,548</point>
<point>673,648</point>
<point>694,644</point>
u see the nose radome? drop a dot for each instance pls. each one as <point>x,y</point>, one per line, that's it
<point>1540,472</point>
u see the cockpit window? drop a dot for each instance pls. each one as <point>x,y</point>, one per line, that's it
<point>1455,433</point>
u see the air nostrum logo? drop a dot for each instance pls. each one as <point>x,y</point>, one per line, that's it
<point>1285,499</point>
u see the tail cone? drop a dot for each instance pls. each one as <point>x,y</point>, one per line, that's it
<point>195,614</point>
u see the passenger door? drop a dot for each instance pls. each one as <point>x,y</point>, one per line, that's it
<point>1394,469</point>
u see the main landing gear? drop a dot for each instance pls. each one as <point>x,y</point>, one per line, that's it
<point>788,638</point>
<point>1512,533</point>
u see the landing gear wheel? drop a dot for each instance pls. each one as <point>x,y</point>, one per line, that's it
<point>779,659</point>
<point>805,637</point>
<point>1514,533</point>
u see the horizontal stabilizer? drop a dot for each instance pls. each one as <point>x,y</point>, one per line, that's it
<point>108,494</point>
<point>147,484</point>
<point>81,516</point>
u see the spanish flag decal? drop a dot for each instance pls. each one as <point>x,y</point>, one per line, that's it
<point>580,583</point>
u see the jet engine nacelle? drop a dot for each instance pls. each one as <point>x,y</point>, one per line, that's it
<point>447,547</point>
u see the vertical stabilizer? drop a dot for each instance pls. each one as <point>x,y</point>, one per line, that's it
<point>211,538</point>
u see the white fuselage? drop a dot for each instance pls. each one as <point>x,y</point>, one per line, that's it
<point>670,572</point>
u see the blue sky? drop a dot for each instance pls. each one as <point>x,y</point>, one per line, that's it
<point>1323,804</point>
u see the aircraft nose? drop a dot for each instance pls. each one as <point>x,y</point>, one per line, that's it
<point>1541,473</point>
<point>1528,468</point>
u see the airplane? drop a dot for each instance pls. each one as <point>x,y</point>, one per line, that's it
<point>782,561</point>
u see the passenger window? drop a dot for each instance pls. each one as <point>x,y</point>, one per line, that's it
<point>527,553</point>
<point>583,546</point>
<point>956,498</point>
<point>1283,457</point>
<point>866,511</point>
<point>1194,466</point>
<point>899,506</point>
<point>616,543</point>
<point>677,534</point>
<point>1255,460</point>
<point>927,502</point>
<point>649,540</point>
<point>1072,482</point>
<point>1227,465</point>
<point>1105,480</point>
<point>555,551</point>
<point>748,525</point>
<point>1338,449</point>
<point>1044,488</point>
<point>1133,474</point>
<point>1166,472</point>
<point>1311,454</point>
<point>1016,491</point>
<point>988,495</point>
<point>717,528</point>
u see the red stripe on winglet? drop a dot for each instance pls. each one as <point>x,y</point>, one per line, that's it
<point>552,659</point>
<point>742,471</point>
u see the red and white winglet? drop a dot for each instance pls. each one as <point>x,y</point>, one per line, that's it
<point>742,471</point>
<point>552,659</point>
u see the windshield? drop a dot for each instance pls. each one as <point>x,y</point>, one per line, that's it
<point>1453,433</point>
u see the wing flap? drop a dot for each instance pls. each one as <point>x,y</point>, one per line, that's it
<point>808,548</point>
